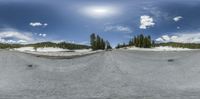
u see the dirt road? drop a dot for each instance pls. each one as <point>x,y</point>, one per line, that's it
<point>107,75</point>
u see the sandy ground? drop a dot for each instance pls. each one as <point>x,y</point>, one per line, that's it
<point>117,74</point>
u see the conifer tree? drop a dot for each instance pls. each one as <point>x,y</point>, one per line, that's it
<point>108,45</point>
<point>93,41</point>
<point>98,42</point>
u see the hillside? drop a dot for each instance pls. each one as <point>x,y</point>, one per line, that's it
<point>180,45</point>
<point>63,45</point>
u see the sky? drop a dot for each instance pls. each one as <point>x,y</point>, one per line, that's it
<point>29,21</point>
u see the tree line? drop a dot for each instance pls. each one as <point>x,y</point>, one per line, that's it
<point>63,45</point>
<point>97,42</point>
<point>9,46</point>
<point>181,45</point>
<point>141,41</point>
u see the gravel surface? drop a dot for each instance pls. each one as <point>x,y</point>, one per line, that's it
<point>114,74</point>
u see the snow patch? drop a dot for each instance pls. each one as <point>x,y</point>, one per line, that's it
<point>50,51</point>
<point>45,49</point>
<point>160,48</point>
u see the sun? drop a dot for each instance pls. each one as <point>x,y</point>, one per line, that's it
<point>99,12</point>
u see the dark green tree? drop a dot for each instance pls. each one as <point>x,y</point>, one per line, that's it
<point>97,42</point>
<point>108,46</point>
<point>93,41</point>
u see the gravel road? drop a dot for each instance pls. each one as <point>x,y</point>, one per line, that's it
<point>117,74</point>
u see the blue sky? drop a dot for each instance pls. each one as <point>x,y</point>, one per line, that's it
<point>27,21</point>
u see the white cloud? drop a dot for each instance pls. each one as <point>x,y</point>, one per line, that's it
<point>45,24</point>
<point>42,35</point>
<point>21,41</point>
<point>15,37</point>
<point>34,24</point>
<point>146,21</point>
<point>177,18</point>
<point>37,24</point>
<point>159,39</point>
<point>182,38</point>
<point>118,28</point>
<point>166,37</point>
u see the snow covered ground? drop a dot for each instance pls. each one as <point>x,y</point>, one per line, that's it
<point>117,74</point>
<point>161,48</point>
<point>45,49</point>
<point>50,51</point>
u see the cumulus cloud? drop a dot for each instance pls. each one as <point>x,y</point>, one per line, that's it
<point>118,28</point>
<point>21,41</point>
<point>37,24</point>
<point>177,18</point>
<point>167,38</point>
<point>15,37</point>
<point>182,38</point>
<point>146,21</point>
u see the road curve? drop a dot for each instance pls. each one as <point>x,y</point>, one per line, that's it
<point>117,74</point>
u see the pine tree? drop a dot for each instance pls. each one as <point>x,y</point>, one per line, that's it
<point>135,41</point>
<point>130,43</point>
<point>145,42</point>
<point>93,41</point>
<point>108,45</point>
<point>98,42</point>
<point>102,44</point>
<point>141,40</point>
<point>149,41</point>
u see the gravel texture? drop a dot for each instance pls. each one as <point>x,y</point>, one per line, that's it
<point>117,74</point>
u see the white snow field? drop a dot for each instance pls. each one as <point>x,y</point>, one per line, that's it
<point>118,74</point>
<point>45,49</point>
<point>56,52</point>
<point>160,48</point>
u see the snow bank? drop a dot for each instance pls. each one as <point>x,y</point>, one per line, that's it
<point>23,49</point>
<point>161,48</point>
<point>169,48</point>
<point>45,49</point>
<point>50,51</point>
<point>83,50</point>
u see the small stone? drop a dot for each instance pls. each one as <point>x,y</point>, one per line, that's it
<point>170,60</point>
<point>30,65</point>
